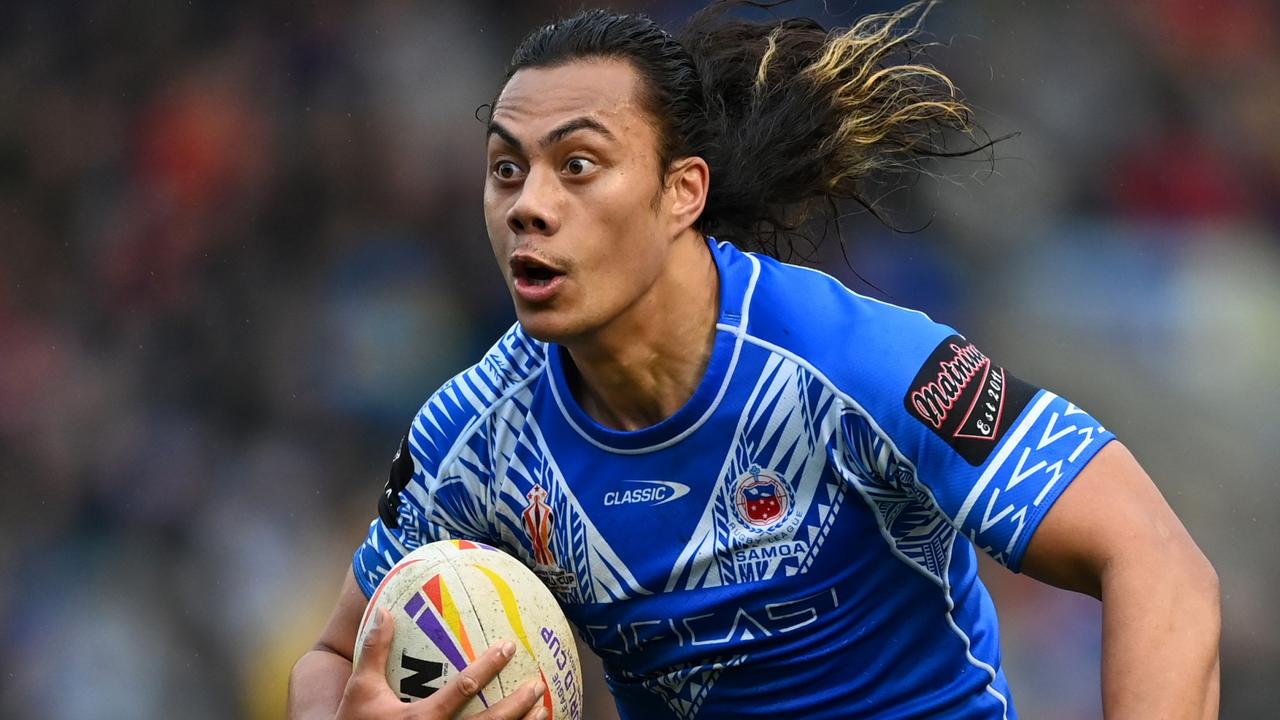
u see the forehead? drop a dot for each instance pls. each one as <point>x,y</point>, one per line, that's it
<point>539,98</point>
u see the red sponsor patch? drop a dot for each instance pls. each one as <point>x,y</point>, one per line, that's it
<point>966,399</point>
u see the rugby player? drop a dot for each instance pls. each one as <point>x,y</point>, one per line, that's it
<point>756,493</point>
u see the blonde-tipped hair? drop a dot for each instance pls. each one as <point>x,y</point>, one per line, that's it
<point>887,108</point>
<point>809,116</point>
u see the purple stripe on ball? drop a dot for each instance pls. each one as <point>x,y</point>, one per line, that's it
<point>414,605</point>
<point>439,636</point>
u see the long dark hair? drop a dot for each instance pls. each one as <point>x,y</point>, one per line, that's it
<point>791,118</point>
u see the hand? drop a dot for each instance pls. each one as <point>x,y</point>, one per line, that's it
<point>368,696</point>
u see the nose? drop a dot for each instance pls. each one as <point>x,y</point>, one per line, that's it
<point>534,211</point>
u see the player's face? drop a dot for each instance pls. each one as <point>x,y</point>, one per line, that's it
<point>572,197</point>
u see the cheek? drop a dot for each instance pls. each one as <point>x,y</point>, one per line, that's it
<point>632,252</point>
<point>495,219</point>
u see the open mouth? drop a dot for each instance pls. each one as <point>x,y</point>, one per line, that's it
<point>529,271</point>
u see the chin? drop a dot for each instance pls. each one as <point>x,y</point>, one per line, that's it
<point>548,325</point>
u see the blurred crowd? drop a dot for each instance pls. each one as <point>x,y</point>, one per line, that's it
<point>240,243</point>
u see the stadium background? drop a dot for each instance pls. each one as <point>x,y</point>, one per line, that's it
<point>241,242</point>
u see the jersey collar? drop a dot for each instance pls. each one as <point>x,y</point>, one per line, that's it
<point>738,272</point>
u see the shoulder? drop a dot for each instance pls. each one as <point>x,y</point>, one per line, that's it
<point>864,347</point>
<point>426,498</point>
<point>454,411</point>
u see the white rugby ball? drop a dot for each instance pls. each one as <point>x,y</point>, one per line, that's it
<point>451,600</point>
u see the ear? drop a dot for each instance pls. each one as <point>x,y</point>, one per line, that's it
<point>687,183</point>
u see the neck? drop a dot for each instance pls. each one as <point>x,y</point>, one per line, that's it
<point>647,363</point>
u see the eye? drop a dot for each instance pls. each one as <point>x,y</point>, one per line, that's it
<point>507,170</point>
<point>579,166</point>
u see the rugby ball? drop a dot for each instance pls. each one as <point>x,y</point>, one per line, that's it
<point>451,600</point>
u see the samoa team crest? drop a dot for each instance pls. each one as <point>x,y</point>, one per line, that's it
<point>761,498</point>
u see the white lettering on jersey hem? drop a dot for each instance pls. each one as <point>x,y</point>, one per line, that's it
<point>944,583</point>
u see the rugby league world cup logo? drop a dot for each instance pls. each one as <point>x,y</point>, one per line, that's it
<point>537,522</point>
<point>538,519</point>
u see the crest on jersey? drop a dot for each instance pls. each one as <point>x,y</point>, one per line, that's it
<point>761,499</point>
<point>537,520</point>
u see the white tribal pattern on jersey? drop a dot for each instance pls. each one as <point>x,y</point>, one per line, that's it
<point>797,539</point>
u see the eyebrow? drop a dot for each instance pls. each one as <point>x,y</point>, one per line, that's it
<point>559,133</point>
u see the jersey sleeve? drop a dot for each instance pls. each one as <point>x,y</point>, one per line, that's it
<point>995,451</point>
<point>935,429</point>
<point>441,482</point>
<point>427,497</point>
<point>991,451</point>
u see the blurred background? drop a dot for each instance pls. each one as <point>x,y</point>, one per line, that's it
<point>240,243</point>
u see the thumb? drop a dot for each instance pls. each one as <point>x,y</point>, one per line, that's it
<point>376,645</point>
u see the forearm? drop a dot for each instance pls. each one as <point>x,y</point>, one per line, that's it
<point>1161,627</point>
<point>317,684</point>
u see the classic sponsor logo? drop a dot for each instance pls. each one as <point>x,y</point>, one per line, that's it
<point>650,492</point>
<point>965,399</point>
<point>761,499</point>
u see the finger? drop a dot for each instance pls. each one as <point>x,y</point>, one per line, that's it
<point>538,711</point>
<point>465,685</point>
<point>523,704</point>
<point>376,646</point>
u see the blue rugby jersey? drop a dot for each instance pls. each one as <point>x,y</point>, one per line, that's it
<point>796,541</point>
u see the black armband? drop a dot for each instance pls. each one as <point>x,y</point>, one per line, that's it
<point>397,480</point>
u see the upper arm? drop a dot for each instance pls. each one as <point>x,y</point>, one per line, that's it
<point>1110,512</point>
<point>986,449</point>
<point>339,634</point>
